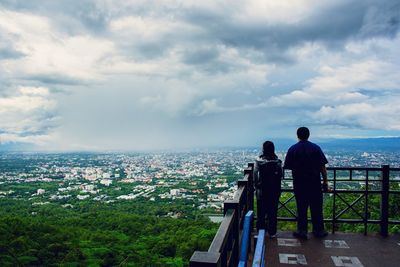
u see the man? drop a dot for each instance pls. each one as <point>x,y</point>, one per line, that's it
<point>307,162</point>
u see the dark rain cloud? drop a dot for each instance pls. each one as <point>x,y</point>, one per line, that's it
<point>199,56</point>
<point>150,50</point>
<point>331,26</point>
<point>91,15</point>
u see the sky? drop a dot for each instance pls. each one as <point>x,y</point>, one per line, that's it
<point>139,75</point>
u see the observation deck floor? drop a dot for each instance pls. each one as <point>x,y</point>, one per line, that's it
<point>339,249</point>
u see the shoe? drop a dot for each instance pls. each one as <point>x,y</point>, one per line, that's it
<point>300,235</point>
<point>320,234</point>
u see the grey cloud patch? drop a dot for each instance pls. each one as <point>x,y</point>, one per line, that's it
<point>27,115</point>
<point>9,53</point>
<point>206,60</point>
<point>44,123</point>
<point>54,79</point>
<point>374,93</point>
<point>93,15</point>
<point>7,50</point>
<point>152,50</point>
<point>199,56</point>
<point>366,115</point>
<point>216,67</point>
<point>331,26</point>
<point>94,19</point>
<point>383,21</point>
<point>33,133</point>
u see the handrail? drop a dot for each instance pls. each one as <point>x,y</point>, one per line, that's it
<point>224,230</point>
<point>259,252</point>
<point>246,237</point>
<point>363,215</point>
<point>224,249</point>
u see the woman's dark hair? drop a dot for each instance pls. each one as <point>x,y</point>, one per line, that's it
<point>269,150</point>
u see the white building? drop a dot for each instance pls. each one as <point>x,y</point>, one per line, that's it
<point>106,182</point>
<point>40,191</point>
<point>174,192</point>
<point>87,187</point>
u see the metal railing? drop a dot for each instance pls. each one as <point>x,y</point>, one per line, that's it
<point>259,252</point>
<point>224,249</point>
<point>378,185</point>
<point>245,244</point>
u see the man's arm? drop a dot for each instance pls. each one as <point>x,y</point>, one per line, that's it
<point>324,174</point>
<point>323,162</point>
<point>288,161</point>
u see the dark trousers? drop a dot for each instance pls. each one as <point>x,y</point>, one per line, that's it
<point>267,206</point>
<point>309,195</point>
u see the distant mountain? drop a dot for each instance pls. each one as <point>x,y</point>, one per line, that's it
<point>16,147</point>
<point>363,144</point>
<point>355,144</point>
<point>281,144</point>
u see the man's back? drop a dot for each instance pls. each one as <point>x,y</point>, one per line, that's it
<point>307,162</point>
<point>305,159</point>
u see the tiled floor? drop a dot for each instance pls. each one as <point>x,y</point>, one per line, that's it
<point>335,244</point>
<point>339,249</point>
<point>344,261</point>
<point>288,242</point>
<point>297,259</point>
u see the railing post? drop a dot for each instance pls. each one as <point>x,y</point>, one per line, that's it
<point>251,186</point>
<point>206,259</point>
<point>234,205</point>
<point>244,203</point>
<point>259,252</point>
<point>245,244</point>
<point>385,200</point>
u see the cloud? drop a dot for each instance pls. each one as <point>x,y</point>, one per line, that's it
<point>361,115</point>
<point>7,51</point>
<point>286,26</point>
<point>343,84</point>
<point>381,21</point>
<point>118,69</point>
<point>360,89</point>
<point>200,56</point>
<point>48,52</point>
<point>29,114</point>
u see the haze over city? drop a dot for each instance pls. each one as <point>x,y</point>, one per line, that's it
<point>138,75</point>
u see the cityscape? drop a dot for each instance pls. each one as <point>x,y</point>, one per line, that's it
<point>203,179</point>
<point>126,128</point>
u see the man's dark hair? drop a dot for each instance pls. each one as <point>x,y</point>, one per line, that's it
<point>303,133</point>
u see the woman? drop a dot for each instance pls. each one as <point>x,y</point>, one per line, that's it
<point>267,181</point>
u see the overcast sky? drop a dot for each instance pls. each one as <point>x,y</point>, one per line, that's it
<point>143,74</point>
